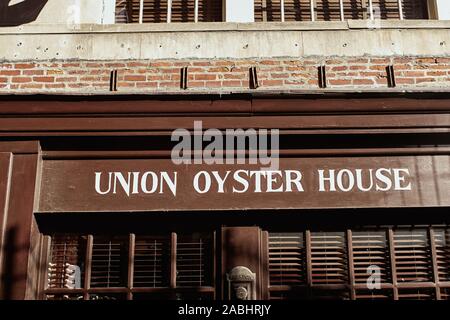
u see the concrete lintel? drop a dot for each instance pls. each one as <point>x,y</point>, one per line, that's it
<point>237,41</point>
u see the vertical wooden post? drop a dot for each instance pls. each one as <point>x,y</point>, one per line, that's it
<point>313,10</point>
<point>141,11</point>
<point>169,11</point>
<point>241,246</point>
<point>308,258</point>
<point>400,9</point>
<point>431,235</point>
<point>88,266</point>
<point>351,265</point>
<point>130,282</point>
<point>196,11</point>
<point>173,262</point>
<point>393,265</point>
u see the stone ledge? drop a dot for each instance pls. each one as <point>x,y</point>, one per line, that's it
<point>223,26</point>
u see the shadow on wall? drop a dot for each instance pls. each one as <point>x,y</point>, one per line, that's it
<point>20,13</point>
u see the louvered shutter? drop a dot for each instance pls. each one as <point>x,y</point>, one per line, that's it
<point>328,10</point>
<point>182,11</point>
<point>151,262</point>
<point>371,249</point>
<point>371,258</point>
<point>194,260</point>
<point>415,9</point>
<point>417,294</point>
<point>287,259</point>
<point>445,293</point>
<point>442,243</point>
<point>297,10</point>
<point>208,11</point>
<point>122,12</point>
<point>109,262</point>
<point>259,11</point>
<point>65,249</point>
<point>329,258</point>
<point>413,261</point>
<point>374,294</point>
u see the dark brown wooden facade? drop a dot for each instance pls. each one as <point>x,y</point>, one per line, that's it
<point>150,249</point>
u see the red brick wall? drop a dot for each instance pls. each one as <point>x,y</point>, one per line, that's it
<point>164,75</point>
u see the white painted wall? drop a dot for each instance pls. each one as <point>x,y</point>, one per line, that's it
<point>239,11</point>
<point>72,12</point>
<point>443,9</point>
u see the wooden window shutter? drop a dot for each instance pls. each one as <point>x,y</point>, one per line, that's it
<point>297,10</point>
<point>259,11</point>
<point>417,294</point>
<point>415,9</point>
<point>208,10</point>
<point>329,10</point>
<point>329,258</point>
<point>65,250</point>
<point>122,12</point>
<point>371,249</point>
<point>155,11</point>
<point>194,267</point>
<point>413,255</point>
<point>287,259</point>
<point>151,262</point>
<point>109,262</point>
<point>445,293</point>
<point>442,243</point>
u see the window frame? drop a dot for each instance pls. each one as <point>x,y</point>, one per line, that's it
<point>128,290</point>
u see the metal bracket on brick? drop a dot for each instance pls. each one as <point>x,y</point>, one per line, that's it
<point>253,78</point>
<point>390,76</point>
<point>113,81</point>
<point>184,78</point>
<point>322,76</point>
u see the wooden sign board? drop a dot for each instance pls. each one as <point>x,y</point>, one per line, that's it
<point>160,185</point>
